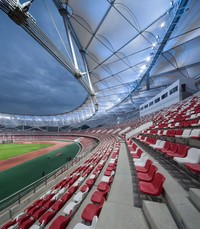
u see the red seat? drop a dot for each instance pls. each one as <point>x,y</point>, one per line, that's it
<point>49,203</point>
<point>194,122</point>
<point>171,133</point>
<point>90,182</point>
<point>153,188</point>
<point>37,202</point>
<point>179,132</point>
<point>32,210</point>
<point>10,223</point>
<point>73,189</point>
<point>166,146</point>
<point>111,168</point>
<point>58,205</point>
<point>91,210</point>
<point>61,222</point>
<point>49,196</point>
<point>151,141</point>
<point>102,186</point>
<point>39,213</point>
<point>193,167</point>
<point>144,169</point>
<point>108,173</point>
<point>172,149</point>
<point>66,197</point>
<point>22,219</point>
<point>181,151</point>
<point>97,197</point>
<point>137,154</point>
<point>47,217</point>
<point>27,224</point>
<point>112,165</point>
<point>148,176</point>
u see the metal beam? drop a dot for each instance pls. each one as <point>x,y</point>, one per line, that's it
<point>170,30</point>
<point>100,23</point>
<point>28,23</point>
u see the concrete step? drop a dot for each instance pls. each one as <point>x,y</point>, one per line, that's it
<point>194,195</point>
<point>158,215</point>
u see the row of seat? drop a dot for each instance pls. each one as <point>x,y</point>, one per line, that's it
<point>150,181</point>
<point>178,133</point>
<point>182,154</point>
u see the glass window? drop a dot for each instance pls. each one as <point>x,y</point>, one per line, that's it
<point>173,90</point>
<point>157,100</point>
<point>164,95</point>
<point>151,103</point>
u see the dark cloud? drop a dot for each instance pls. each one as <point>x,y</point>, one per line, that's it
<point>31,80</point>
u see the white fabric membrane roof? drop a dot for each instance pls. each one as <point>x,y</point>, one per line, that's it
<point>121,39</point>
<point>125,43</point>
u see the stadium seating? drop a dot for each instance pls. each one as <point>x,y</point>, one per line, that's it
<point>193,156</point>
<point>61,222</point>
<point>148,176</point>
<point>153,188</point>
<point>92,210</point>
<point>193,167</point>
<point>83,226</point>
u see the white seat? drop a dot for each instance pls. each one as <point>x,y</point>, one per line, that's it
<point>135,151</point>
<point>36,226</point>
<point>78,197</point>
<point>177,124</point>
<point>59,194</point>
<point>80,179</point>
<point>71,206</point>
<point>83,226</point>
<point>159,145</point>
<point>112,160</point>
<point>76,183</point>
<point>155,145</point>
<point>92,176</point>
<point>142,162</point>
<point>186,133</point>
<point>105,179</point>
<point>195,133</point>
<point>139,159</point>
<point>193,156</point>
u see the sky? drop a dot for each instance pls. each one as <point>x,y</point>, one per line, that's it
<point>32,82</point>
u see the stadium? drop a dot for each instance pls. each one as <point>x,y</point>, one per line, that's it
<point>100,114</point>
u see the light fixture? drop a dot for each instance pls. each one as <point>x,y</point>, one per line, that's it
<point>171,3</point>
<point>154,44</point>
<point>162,24</point>
<point>143,66</point>
<point>148,58</point>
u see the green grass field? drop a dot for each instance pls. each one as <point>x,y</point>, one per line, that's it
<point>20,176</point>
<point>11,150</point>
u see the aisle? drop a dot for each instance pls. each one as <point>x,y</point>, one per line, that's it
<point>118,211</point>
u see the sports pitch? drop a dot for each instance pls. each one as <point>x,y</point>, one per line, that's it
<point>18,177</point>
<point>12,150</point>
